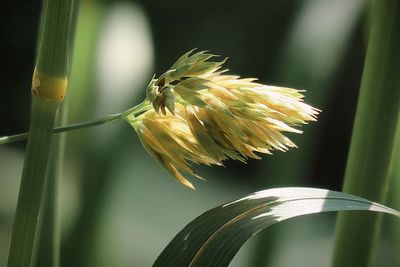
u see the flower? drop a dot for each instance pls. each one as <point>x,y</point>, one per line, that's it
<point>169,140</point>
<point>214,117</point>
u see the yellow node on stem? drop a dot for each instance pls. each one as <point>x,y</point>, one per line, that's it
<point>48,87</point>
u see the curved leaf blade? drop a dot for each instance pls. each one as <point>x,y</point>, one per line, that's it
<point>214,238</point>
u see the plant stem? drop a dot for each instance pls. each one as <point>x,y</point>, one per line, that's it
<point>367,172</point>
<point>394,191</point>
<point>48,88</point>
<point>49,240</point>
<point>107,119</point>
<point>23,242</point>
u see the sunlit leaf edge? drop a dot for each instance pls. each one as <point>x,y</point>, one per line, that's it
<point>214,238</point>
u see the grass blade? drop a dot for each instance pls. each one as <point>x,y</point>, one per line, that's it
<point>213,238</point>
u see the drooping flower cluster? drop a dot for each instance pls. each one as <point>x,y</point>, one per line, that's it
<point>214,116</point>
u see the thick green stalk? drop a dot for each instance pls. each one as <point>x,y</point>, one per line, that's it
<point>373,137</point>
<point>49,248</point>
<point>48,89</point>
<point>53,55</point>
<point>49,240</point>
<point>394,191</point>
<point>23,239</point>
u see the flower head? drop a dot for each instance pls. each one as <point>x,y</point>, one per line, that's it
<point>214,116</point>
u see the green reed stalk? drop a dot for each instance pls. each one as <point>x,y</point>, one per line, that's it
<point>367,172</point>
<point>48,89</point>
<point>394,191</point>
<point>48,253</point>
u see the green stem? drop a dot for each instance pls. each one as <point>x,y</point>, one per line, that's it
<point>48,87</point>
<point>372,144</point>
<point>49,240</point>
<point>25,228</point>
<point>107,119</point>
<point>394,191</point>
<point>53,51</point>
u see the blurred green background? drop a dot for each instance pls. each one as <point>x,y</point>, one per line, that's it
<point>119,208</point>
